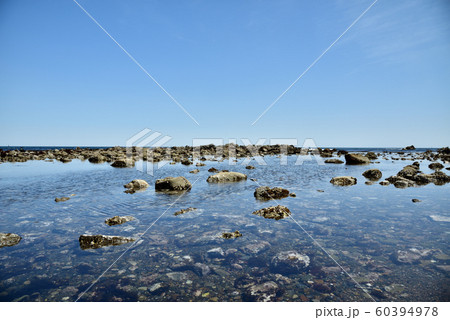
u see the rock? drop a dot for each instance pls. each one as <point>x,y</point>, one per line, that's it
<point>194,171</point>
<point>9,239</point>
<point>385,183</point>
<point>408,172</point>
<point>266,193</point>
<point>118,220</point>
<point>177,276</point>
<point>411,147</point>
<point>255,247</point>
<point>98,158</point>
<point>289,262</point>
<point>436,166</point>
<point>353,158</point>
<point>371,155</point>
<point>123,163</point>
<point>411,256</point>
<point>322,287</point>
<point>372,174</point>
<point>173,184</point>
<point>343,181</point>
<point>223,177</point>
<point>336,161</point>
<point>62,199</point>
<point>186,162</point>
<point>99,241</point>
<point>213,170</point>
<point>231,235</point>
<point>136,185</point>
<point>249,167</point>
<point>264,292</point>
<point>157,288</point>
<point>416,200</point>
<point>275,212</point>
<point>400,182</point>
<point>293,195</point>
<point>200,164</point>
<point>216,253</point>
<point>184,211</point>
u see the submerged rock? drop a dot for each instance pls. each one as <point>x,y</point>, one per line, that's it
<point>275,212</point>
<point>343,181</point>
<point>184,211</point>
<point>411,256</point>
<point>264,292</point>
<point>9,239</point>
<point>118,220</point>
<point>266,193</point>
<point>136,185</point>
<point>255,247</point>
<point>289,262</point>
<point>215,253</point>
<point>372,174</point>
<point>99,241</point>
<point>62,199</point>
<point>173,184</point>
<point>194,171</point>
<point>231,235</point>
<point>222,177</point>
<point>353,158</point>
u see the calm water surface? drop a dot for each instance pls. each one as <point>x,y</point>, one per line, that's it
<point>361,227</point>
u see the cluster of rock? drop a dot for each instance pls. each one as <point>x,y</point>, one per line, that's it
<point>9,239</point>
<point>275,212</point>
<point>99,241</point>
<point>343,181</point>
<point>411,176</point>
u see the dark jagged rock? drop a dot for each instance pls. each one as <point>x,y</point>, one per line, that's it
<point>231,235</point>
<point>275,212</point>
<point>62,199</point>
<point>123,163</point>
<point>184,211</point>
<point>249,167</point>
<point>416,200</point>
<point>344,181</point>
<point>436,166</point>
<point>411,147</point>
<point>336,161</point>
<point>213,170</point>
<point>171,184</point>
<point>9,239</point>
<point>372,174</point>
<point>118,220</point>
<point>266,193</point>
<point>99,241</point>
<point>355,159</point>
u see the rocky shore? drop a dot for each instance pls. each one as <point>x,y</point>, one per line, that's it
<point>122,157</point>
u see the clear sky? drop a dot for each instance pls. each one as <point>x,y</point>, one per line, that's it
<point>386,82</point>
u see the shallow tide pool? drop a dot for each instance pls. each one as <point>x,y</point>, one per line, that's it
<point>352,235</point>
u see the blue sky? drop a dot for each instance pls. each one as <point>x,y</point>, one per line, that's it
<point>63,81</point>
